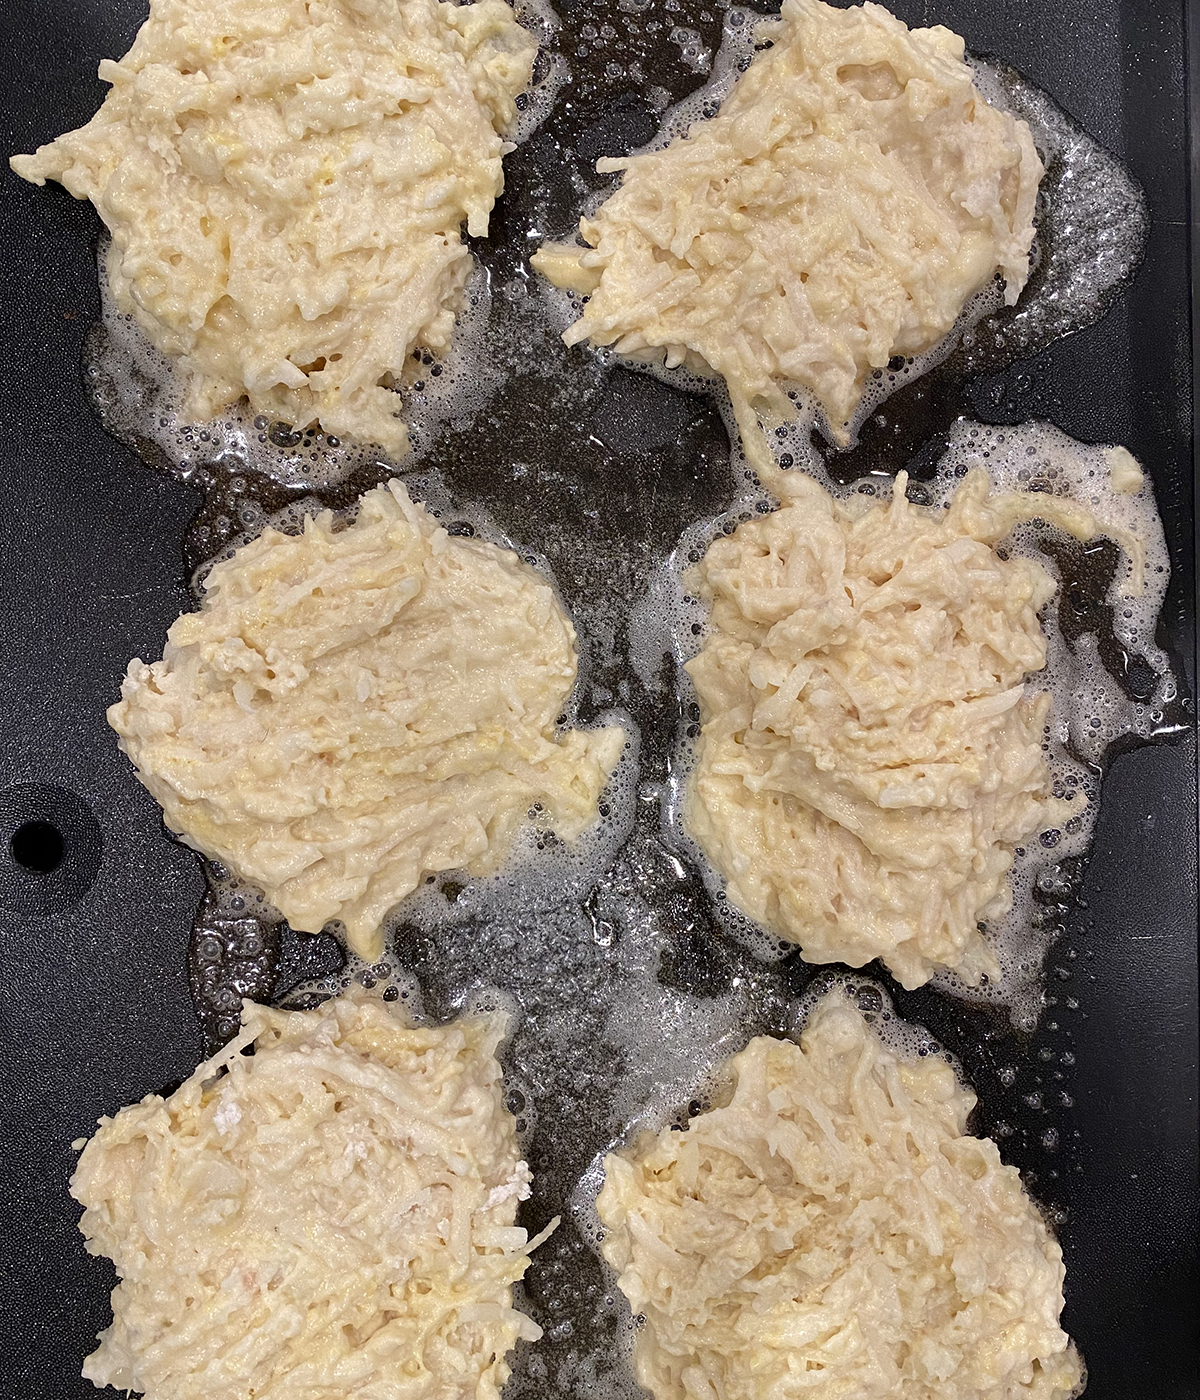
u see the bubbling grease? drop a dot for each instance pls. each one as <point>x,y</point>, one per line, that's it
<point>139,392</point>
<point>630,983</point>
<point>704,1084</point>
<point>1086,192</point>
<point>1092,706</point>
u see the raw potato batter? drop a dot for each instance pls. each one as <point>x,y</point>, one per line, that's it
<point>285,182</point>
<point>353,709</point>
<point>869,756</point>
<point>852,193</point>
<point>331,1218</point>
<point>833,1232</point>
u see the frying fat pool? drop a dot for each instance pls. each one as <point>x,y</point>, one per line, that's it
<point>850,196</point>
<point>352,709</point>
<point>285,184</point>
<point>833,1231</point>
<point>331,1216</point>
<point>869,756</point>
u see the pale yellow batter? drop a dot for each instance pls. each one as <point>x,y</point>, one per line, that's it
<point>833,1232</point>
<point>850,196</point>
<point>332,1216</point>
<point>285,183</point>
<point>352,709</point>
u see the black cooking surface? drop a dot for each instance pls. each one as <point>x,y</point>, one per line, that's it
<point>1101,1113</point>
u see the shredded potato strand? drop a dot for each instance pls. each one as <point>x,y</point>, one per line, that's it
<point>331,1218</point>
<point>832,1232</point>
<point>352,709</point>
<point>850,196</point>
<point>870,756</point>
<point>285,182</point>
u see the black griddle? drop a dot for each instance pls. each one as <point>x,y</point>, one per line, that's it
<point>93,952</point>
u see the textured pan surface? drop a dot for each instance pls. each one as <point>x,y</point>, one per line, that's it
<point>93,958</point>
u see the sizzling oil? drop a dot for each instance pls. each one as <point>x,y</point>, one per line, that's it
<point>629,977</point>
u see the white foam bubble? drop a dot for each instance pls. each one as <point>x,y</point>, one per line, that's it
<point>542,872</point>
<point>1091,707</point>
<point>139,394</point>
<point>742,33</point>
<point>549,70</point>
<point>905,1039</point>
<point>692,49</point>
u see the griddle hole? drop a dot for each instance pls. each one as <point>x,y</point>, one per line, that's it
<point>51,847</point>
<point>37,846</point>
